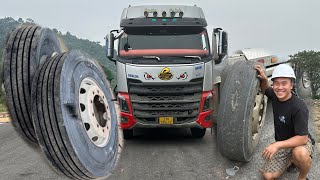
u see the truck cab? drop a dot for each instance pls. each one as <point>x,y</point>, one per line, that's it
<point>164,68</point>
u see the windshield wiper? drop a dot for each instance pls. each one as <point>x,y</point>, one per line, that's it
<point>191,57</point>
<point>145,57</point>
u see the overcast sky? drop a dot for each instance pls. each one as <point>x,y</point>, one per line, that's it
<point>281,26</point>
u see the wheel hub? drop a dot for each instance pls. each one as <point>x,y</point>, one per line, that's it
<point>258,114</point>
<point>94,112</point>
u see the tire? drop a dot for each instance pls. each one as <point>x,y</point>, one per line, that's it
<point>25,49</point>
<point>241,113</point>
<point>198,132</point>
<point>127,133</point>
<point>75,119</point>
<point>303,84</point>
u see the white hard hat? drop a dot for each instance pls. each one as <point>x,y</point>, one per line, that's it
<point>283,70</point>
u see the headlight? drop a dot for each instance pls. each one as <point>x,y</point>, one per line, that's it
<point>123,104</point>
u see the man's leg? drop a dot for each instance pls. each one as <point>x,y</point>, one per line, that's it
<point>271,176</point>
<point>301,157</point>
<point>276,166</point>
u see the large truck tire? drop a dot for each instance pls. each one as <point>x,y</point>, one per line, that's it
<point>303,84</point>
<point>75,116</point>
<point>26,47</point>
<point>241,112</point>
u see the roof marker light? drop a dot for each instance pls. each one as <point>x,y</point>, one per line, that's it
<point>180,14</point>
<point>172,13</point>
<point>146,14</point>
<point>164,14</point>
<point>155,14</point>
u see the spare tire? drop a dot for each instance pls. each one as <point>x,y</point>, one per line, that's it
<point>241,112</point>
<point>24,51</point>
<point>75,117</point>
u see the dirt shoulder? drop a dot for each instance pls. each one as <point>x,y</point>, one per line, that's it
<point>315,111</point>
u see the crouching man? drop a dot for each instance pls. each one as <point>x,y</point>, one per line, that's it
<point>292,143</point>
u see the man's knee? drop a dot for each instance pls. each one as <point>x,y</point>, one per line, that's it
<point>301,154</point>
<point>270,176</point>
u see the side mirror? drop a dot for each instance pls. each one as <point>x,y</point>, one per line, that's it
<point>215,43</point>
<point>110,46</point>
<point>224,43</point>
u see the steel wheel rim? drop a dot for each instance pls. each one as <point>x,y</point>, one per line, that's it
<point>258,114</point>
<point>94,112</point>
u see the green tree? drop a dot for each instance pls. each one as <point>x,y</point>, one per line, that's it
<point>309,61</point>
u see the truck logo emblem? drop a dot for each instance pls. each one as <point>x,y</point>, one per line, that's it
<point>148,76</point>
<point>133,76</point>
<point>165,74</point>
<point>183,76</point>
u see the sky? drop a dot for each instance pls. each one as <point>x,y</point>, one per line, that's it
<point>282,27</point>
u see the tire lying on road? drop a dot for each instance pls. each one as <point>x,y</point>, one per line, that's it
<point>26,48</point>
<point>241,112</point>
<point>75,117</point>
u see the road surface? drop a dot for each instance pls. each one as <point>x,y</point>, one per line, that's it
<point>152,154</point>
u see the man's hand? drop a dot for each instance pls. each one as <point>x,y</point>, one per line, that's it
<point>262,75</point>
<point>264,83</point>
<point>270,150</point>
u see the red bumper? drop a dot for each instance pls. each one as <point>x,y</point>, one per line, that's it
<point>205,119</point>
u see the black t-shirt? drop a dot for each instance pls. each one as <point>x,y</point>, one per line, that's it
<point>290,117</point>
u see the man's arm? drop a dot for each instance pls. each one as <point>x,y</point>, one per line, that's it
<point>293,142</point>
<point>264,84</point>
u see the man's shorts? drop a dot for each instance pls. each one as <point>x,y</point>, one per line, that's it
<point>282,159</point>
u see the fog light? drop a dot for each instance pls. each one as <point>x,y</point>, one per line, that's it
<point>208,118</point>
<point>124,120</point>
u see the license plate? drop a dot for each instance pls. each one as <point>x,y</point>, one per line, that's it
<point>166,120</point>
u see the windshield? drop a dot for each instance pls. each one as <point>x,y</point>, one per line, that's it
<point>165,41</point>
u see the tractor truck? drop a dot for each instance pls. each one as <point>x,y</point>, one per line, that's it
<point>170,76</point>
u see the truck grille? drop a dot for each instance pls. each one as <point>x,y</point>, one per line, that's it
<point>151,101</point>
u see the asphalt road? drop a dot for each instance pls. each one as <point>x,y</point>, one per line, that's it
<point>153,154</point>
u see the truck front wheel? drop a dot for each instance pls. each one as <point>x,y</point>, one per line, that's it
<point>127,133</point>
<point>241,113</point>
<point>198,133</point>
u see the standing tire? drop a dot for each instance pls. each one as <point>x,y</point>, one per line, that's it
<point>241,113</point>
<point>303,84</point>
<point>198,132</point>
<point>26,47</point>
<point>75,117</point>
